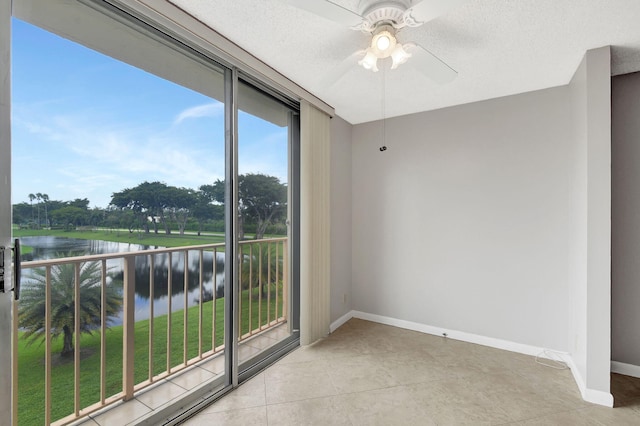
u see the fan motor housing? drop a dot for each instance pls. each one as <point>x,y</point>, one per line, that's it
<point>392,12</point>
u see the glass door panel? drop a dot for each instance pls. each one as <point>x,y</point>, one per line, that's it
<point>264,194</point>
<point>113,162</point>
<point>122,162</point>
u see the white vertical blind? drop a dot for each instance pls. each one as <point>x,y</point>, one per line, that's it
<point>315,226</point>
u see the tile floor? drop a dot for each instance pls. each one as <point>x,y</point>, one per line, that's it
<point>168,392</point>
<point>371,374</point>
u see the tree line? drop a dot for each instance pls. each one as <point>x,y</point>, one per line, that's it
<point>158,207</point>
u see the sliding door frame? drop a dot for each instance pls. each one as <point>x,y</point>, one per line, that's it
<point>6,298</point>
<point>232,76</point>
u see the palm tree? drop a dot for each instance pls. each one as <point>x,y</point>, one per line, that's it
<point>260,265</point>
<point>38,197</point>
<point>45,199</point>
<point>31,198</point>
<point>32,303</point>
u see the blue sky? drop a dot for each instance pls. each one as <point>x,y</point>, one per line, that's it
<point>85,125</point>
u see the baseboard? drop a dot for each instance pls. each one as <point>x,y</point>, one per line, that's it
<point>340,321</point>
<point>589,395</point>
<point>453,334</point>
<point>626,369</point>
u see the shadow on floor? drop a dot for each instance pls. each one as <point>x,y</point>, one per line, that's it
<point>625,390</point>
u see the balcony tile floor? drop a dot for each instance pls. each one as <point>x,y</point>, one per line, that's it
<point>170,390</point>
<point>369,374</point>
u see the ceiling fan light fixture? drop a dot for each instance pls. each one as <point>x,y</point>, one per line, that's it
<point>370,60</point>
<point>383,42</point>
<point>399,56</point>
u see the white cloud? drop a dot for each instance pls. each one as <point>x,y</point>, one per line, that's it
<point>206,110</point>
<point>94,160</point>
<point>91,155</point>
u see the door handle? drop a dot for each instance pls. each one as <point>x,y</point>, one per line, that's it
<point>16,269</point>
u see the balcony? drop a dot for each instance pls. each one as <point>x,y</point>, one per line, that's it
<point>155,319</point>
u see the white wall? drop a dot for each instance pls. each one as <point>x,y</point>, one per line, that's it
<point>577,331</point>
<point>625,273</point>
<point>590,266</point>
<point>340,218</point>
<point>598,221</point>
<point>493,219</point>
<point>462,223</point>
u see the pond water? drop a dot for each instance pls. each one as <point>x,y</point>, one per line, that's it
<point>49,247</point>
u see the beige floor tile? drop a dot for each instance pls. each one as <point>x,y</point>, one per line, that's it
<point>391,406</point>
<point>521,405</point>
<point>317,411</point>
<point>613,416</point>
<point>86,422</point>
<point>464,362</point>
<point>301,354</point>
<point>246,352</point>
<point>591,416</point>
<point>548,379</point>
<point>248,395</point>
<point>245,417</point>
<point>297,381</point>
<point>160,395</point>
<point>280,333</point>
<point>215,365</point>
<point>260,342</point>
<point>496,383</point>
<point>290,371</point>
<point>296,389</point>
<point>359,373</point>
<point>122,414</point>
<point>192,378</point>
<point>566,418</point>
<point>366,374</point>
<point>413,367</point>
<point>330,348</point>
<point>454,402</point>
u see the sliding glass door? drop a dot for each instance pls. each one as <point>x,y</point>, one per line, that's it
<point>267,200</point>
<point>155,197</point>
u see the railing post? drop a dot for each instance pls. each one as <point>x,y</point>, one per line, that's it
<point>285,279</point>
<point>128,324</point>
<point>47,346</point>
<point>76,336</point>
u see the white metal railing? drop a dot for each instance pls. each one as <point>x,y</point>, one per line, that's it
<point>263,273</point>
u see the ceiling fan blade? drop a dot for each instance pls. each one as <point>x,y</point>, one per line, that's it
<point>427,10</point>
<point>347,65</point>
<point>430,65</point>
<point>328,10</point>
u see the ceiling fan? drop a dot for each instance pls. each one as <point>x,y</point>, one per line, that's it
<point>383,19</point>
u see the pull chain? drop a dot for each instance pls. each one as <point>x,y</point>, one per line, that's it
<point>382,106</point>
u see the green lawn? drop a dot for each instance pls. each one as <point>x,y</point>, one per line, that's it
<point>31,358</point>
<point>123,236</point>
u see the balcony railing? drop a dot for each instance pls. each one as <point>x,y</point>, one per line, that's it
<point>177,290</point>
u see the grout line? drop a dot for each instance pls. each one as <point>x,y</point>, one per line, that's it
<point>136,398</point>
<point>553,413</point>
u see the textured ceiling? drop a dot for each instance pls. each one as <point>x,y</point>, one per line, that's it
<point>498,47</point>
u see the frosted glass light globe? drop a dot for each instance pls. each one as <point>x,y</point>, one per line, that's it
<point>383,42</point>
